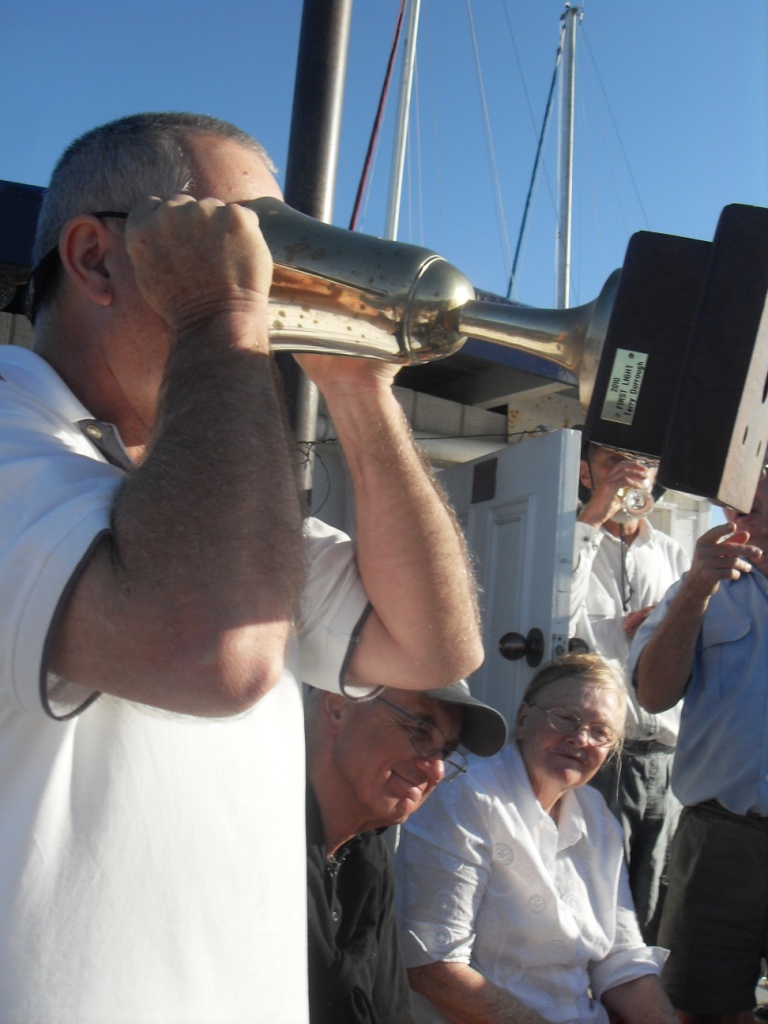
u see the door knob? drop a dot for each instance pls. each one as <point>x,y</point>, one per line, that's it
<point>514,646</point>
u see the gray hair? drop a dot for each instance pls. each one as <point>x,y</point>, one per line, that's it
<point>114,166</point>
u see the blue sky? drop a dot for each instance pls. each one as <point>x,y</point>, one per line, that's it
<point>671,122</point>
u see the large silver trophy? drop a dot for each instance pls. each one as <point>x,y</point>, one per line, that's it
<point>343,292</point>
<point>671,358</point>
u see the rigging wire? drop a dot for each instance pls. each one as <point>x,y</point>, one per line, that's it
<point>489,138</point>
<point>531,115</point>
<point>534,122</point>
<point>592,177</point>
<point>417,147</point>
<point>437,184</point>
<point>377,120</point>
<point>616,129</point>
<point>408,184</point>
<point>607,164</point>
<point>536,162</point>
<point>539,167</point>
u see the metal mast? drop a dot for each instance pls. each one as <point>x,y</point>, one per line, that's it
<point>401,134</point>
<point>310,175</point>
<point>562,296</point>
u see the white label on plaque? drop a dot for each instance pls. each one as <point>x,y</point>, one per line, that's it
<point>624,386</point>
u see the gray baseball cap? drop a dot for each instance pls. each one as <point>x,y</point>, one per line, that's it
<point>484,731</point>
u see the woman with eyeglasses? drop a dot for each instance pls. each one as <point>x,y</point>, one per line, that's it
<point>513,895</point>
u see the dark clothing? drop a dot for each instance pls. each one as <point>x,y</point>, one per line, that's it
<point>636,787</point>
<point>356,970</point>
<point>718,880</point>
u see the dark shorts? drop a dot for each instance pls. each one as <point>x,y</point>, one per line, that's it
<point>715,920</point>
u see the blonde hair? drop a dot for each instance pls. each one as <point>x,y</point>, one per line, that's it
<point>589,670</point>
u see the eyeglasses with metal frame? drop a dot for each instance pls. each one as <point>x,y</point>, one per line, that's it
<point>429,742</point>
<point>647,462</point>
<point>567,723</point>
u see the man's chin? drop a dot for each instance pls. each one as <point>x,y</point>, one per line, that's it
<point>397,816</point>
<point>402,809</point>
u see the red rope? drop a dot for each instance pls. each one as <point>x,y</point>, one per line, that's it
<point>377,122</point>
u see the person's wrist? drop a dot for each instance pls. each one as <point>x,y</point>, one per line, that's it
<point>696,591</point>
<point>239,322</point>
<point>366,388</point>
<point>594,515</point>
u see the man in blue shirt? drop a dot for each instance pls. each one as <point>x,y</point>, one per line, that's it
<point>707,642</point>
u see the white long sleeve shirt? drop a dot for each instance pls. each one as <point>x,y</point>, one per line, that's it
<point>654,561</point>
<point>542,909</point>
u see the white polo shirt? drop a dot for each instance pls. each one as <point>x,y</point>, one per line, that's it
<point>153,865</point>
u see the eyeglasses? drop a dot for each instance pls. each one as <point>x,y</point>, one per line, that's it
<point>45,271</point>
<point>566,722</point>
<point>617,455</point>
<point>429,742</point>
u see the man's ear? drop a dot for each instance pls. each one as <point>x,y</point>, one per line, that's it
<point>585,477</point>
<point>333,709</point>
<point>83,246</point>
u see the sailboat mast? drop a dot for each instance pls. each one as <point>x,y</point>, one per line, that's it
<point>563,282</point>
<point>310,176</point>
<point>401,131</point>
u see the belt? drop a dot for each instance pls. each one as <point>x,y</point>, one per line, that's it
<point>715,809</point>
<point>642,747</point>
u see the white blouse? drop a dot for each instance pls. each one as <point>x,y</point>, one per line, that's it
<point>542,909</point>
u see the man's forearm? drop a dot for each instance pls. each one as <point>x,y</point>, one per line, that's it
<point>664,668</point>
<point>411,553</point>
<point>640,1001</point>
<point>665,665</point>
<point>464,996</point>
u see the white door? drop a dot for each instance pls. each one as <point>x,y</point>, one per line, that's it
<point>518,509</point>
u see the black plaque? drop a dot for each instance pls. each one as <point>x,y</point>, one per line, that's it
<point>715,443</point>
<point>646,343</point>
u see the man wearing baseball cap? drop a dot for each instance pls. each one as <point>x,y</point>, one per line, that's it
<point>371,764</point>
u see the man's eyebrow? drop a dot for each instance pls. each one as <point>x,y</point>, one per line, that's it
<point>429,717</point>
<point>451,727</point>
<point>426,716</point>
